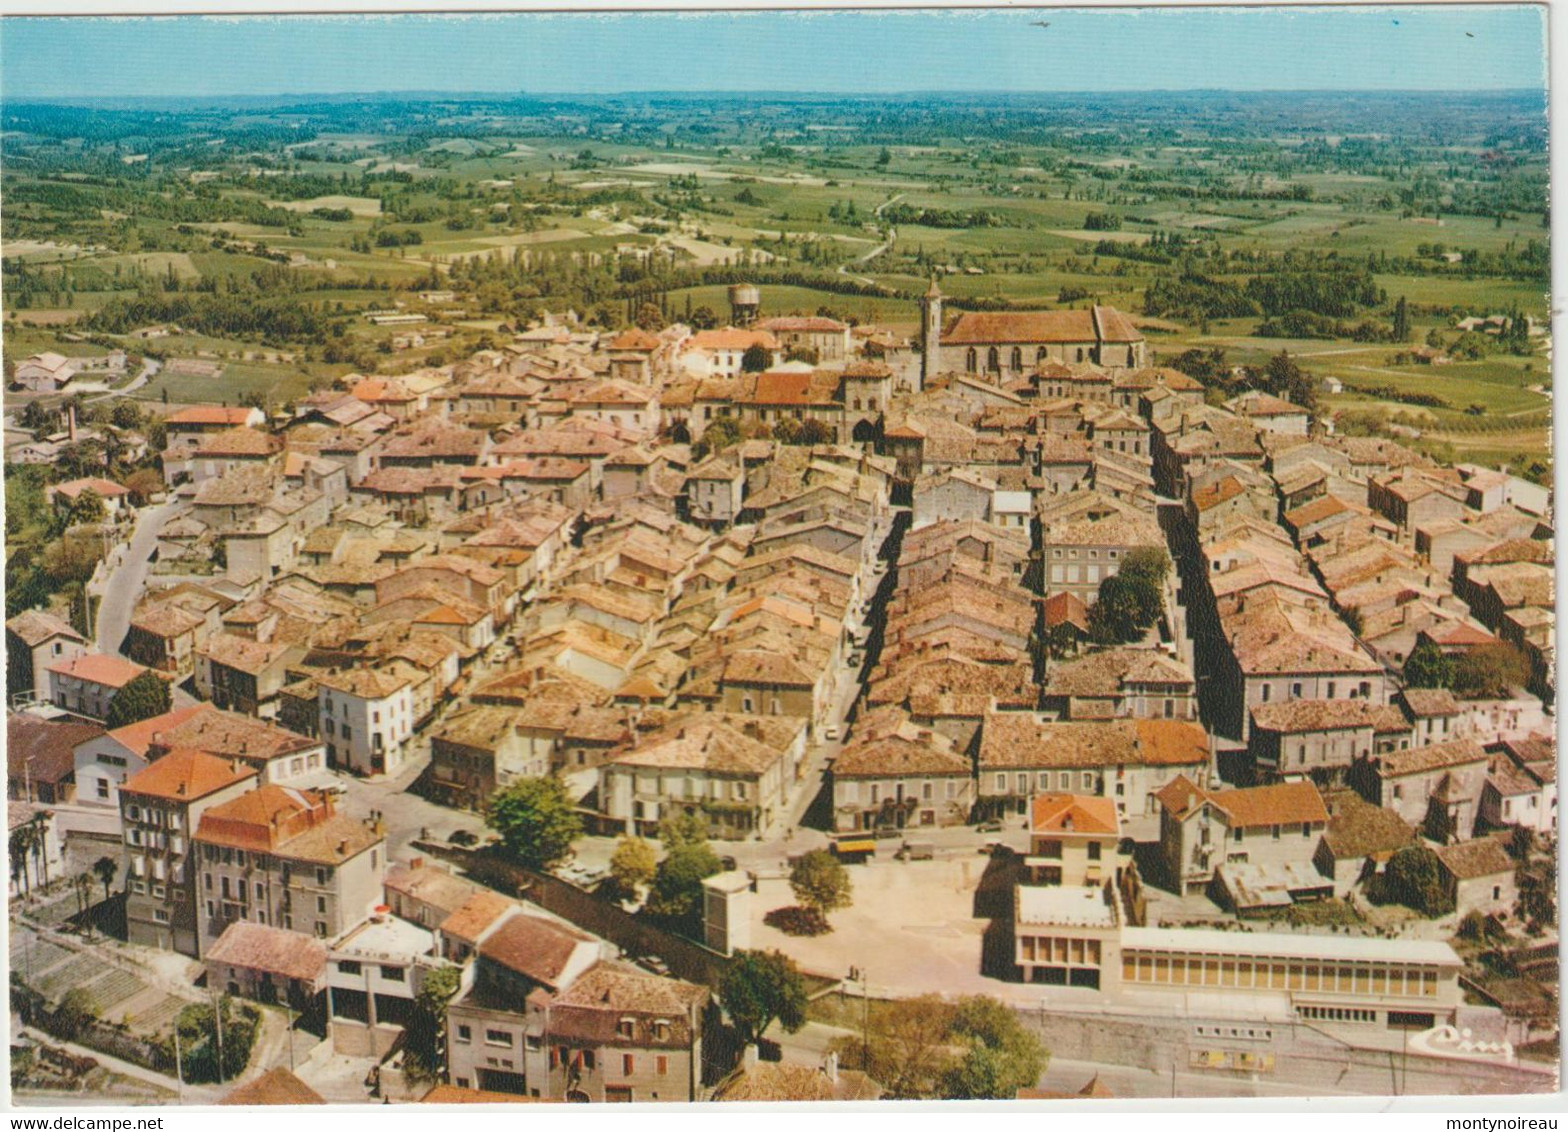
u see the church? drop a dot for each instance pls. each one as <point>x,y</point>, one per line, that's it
<point>1003,345</point>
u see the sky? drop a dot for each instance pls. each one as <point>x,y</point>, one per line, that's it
<point>1384,48</point>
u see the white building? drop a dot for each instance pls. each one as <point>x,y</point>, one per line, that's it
<point>367,718</point>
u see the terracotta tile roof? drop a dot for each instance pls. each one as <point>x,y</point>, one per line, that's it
<point>715,743</point>
<point>1456,752</point>
<point>1109,672</point>
<point>139,737</point>
<point>977,327</point>
<point>230,734</point>
<point>239,442</point>
<point>1483,857</point>
<point>731,340</point>
<point>1066,608</point>
<point>430,884</point>
<point>616,988</point>
<point>1357,828</point>
<point>798,323</point>
<point>263,819</point>
<point>185,774</point>
<point>210,415</point>
<point>365,683</point>
<point>99,668</point>
<point>104,489</point>
<point>1424,703</point>
<point>898,756</point>
<point>276,1086</point>
<point>1284,803</point>
<point>1538,551</point>
<point>44,749</point>
<point>537,948</point>
<point>1073,813</point>
<point>33,627</point>
<point>477,913</point>
<point>634,338</point>
<point>259,947</point>
<point>333,841</point>
<point>1022,740</point>
<point>788,1081</point>
<point>1295,716</point>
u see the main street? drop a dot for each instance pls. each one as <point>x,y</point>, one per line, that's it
<point>129,564</point>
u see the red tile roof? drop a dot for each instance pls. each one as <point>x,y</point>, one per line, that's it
<point>99,668</point>
<point>185,774</point>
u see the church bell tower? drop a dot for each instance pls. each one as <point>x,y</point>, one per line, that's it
<point>930,333</point>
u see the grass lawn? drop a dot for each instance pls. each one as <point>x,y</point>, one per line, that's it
<point>277,383</point>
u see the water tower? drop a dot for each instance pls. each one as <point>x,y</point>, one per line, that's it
<point>745,302</point>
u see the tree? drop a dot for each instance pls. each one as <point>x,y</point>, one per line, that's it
<point>199,1024</point>
<point>721,434</point>
<point>536,819</point>
<point>786,430</point>
<point>649,317</point>
<point>756,359</point>
<point>633,864</point>
<point>1401,331</point>
<point>21,846</point>
<point>106,869</point>
<point>1284,378</point>
<point>126,414</point>
<point>820,883</point>
<point>77,1010</point>
<point>425,1040</point>
<point>143,484</point>
<point>688,860</point>
<point>1124,609</point>
<point>1414,878</point>
<point>141,698</point>
<point>884,157</point>
<point>703,318</point>
<point>760,988</point>
<point>906,1046</point>
<point>815,432</point>
<point>1002,1056</point>
<point>1490,672</point>
<point>1427,667</point>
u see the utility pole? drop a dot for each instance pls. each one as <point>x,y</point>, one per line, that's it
<point>865,1019</point>
<point>217,1018</point>
<point>289,1015</point>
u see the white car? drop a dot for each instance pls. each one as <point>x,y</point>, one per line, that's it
<point>830,734</point>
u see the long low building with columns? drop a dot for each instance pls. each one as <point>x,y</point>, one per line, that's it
<point>1076,936</point>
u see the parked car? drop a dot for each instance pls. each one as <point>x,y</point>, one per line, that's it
<point>989,827</point>
<point>916,851</point>
<point>727,864</point>
<point>887,832</point>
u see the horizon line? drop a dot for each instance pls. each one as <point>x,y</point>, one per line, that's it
<point>432,93</point>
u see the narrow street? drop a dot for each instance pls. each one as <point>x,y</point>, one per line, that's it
<point>122,587</point>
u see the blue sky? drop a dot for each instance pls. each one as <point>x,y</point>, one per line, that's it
<point>1409,48</point>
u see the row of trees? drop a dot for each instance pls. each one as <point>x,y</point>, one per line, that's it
<point>1485,672</point>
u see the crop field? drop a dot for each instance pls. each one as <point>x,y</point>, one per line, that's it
<point>1040,206</point>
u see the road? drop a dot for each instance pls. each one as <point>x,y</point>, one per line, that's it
<point>892,234</point>
<point>123,585</point>
<point>150,368</point>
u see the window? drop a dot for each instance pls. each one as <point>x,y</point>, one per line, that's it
<point>465,1034</point>
<point>498,1038</point>
<point>1276,833</point>
<point>321,905</point>
<point>352,967</point>
<point>628,1065</point>
<point>261,891</point>
<point>392,974</point>
<point>321,875</point>
<point>625,1027</point>
<point>1265,693</point>
<point>1094,850</point>
<point>160,916</point>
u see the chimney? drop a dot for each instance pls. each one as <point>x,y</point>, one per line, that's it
<point>417,863</point>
